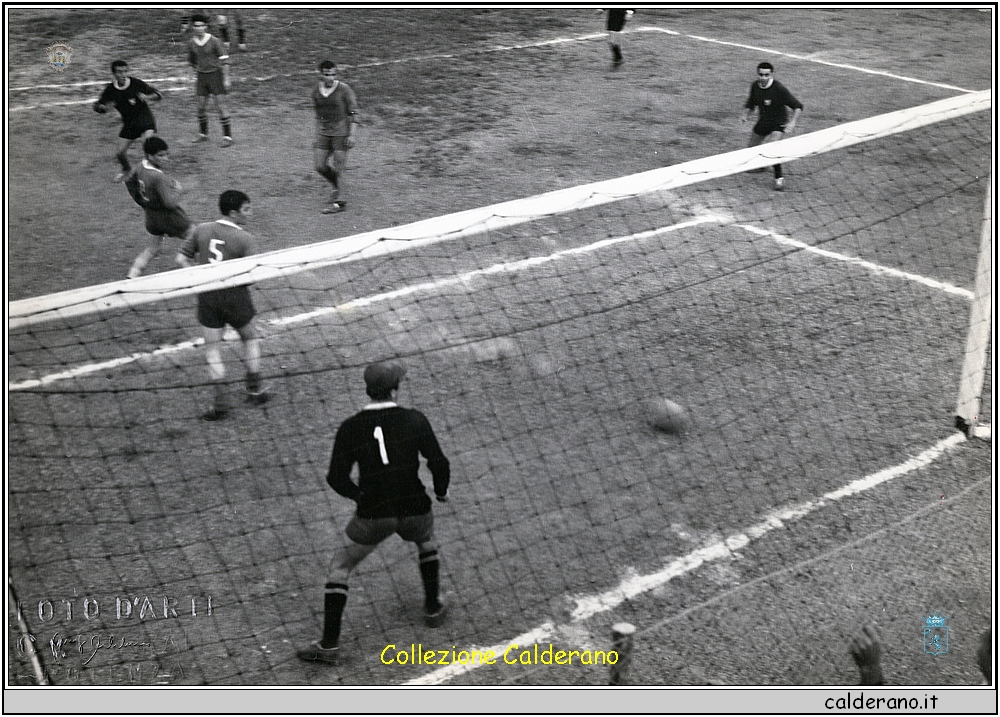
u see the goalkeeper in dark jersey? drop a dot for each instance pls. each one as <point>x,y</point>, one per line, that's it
<point>385,441</point>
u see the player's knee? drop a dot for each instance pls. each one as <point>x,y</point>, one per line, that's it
<point>248,332</point>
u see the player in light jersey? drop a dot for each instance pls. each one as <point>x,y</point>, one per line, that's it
<point>131,97</point>
<point>336,107</point>
<point>211,243</point>
<point>210,61</point>
<point>159,196</point>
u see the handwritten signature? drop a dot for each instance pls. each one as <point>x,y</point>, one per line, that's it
<point>95,644</point>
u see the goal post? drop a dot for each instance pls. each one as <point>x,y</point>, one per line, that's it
<point>968,414</point>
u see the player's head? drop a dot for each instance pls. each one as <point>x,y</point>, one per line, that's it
<point>382,378</point>
<point>199,23</point>
<point>119,68</point>
<point>328,71</point>
<point>765,71</point>
<point>154,146</point>
<point>233,200</point>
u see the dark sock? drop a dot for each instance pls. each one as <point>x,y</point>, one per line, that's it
<point>227,128</point>
<point>123,161</point>
<point>203,125</point>
<point>429,565</point>
<point>219,396</point>
<point>253,382</point>
<point>331,176</point>
<point>777,171</point>
<point>617,52</point>
<point>333,609</point>
<point>243,36</point>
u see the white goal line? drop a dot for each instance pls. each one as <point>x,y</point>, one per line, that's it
<point>635,584</point>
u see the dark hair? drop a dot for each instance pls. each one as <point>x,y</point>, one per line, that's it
<point>199,17</point>
<point>154,145</point>
<point>381,393</point>
<point>232,200</point>
<point>765,66</point>
<point>327,65</point>
<point>118,63</point>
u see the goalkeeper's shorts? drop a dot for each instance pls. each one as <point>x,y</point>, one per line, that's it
<point>372,531</point>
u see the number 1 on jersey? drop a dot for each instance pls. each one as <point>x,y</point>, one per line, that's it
<point>381,445</point>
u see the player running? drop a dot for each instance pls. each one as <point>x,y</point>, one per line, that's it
<point>131,97</point>
<point>770,98</point>
<point>385,440</point>
<point>616,24</point>
<point>211,243</point>
<point>159,196</point>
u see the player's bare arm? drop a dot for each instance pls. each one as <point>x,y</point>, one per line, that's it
<point>790,127</point>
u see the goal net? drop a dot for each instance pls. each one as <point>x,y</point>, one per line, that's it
<point>816,337</point>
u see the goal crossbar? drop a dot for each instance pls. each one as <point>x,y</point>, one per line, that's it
<point>285,262</point>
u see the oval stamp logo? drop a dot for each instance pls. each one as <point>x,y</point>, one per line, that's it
<point>59,55</point>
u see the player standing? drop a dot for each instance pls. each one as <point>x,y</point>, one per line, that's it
<point>131,97</point>
<point>770,98</point>
<point>237,21</point>
<point>385,440</point>
<point>211,63</point>
<point>223,22</point>
<point>211,243</point>
<point>159,196</point>
<point>336,107</point>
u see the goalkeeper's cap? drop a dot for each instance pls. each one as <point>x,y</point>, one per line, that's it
<point>382,377</point>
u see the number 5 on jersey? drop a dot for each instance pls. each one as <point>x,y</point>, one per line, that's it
<point>381,445</point>
<point>215,248</point>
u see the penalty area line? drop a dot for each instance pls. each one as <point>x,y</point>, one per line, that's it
<point>589,605</point>
<point>456,280</point>
<point>806,58</point>
<point>876,269</point>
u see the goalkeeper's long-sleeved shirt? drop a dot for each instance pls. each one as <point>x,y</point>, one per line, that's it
<point>386,440</point>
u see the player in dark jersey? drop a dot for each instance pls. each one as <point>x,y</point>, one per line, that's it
<point>210,61</point>
<point>211,243</point>
<point>385,441</point>
<point>336,107</point>
<point>159,196</point>
<point>772,100</point>
<point>131,97</point>
<point>616,23</point>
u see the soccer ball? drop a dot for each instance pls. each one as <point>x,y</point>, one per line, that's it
<point>667,416</point>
